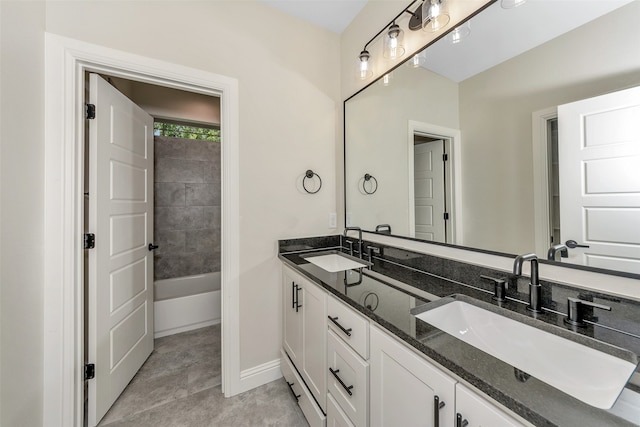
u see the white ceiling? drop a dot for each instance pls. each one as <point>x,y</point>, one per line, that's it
<point>499,34</point>
<point>334,15</point>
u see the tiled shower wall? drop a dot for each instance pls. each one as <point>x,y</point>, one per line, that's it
<point>187,207</point>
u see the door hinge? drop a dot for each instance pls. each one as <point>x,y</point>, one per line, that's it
<point>91,111</point>
<point>89,371</point>
<point>446,216</point>
<point>89,241</point>
<point>445,157</point>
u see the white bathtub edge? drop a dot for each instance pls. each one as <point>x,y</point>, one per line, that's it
<point>175,315</point>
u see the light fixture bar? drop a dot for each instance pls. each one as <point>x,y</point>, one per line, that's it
<point>385,28</point>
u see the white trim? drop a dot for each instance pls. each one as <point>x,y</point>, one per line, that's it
<point>454,175</point>
<point>65,65</point>
<point>259,375</point>
<point>182,314</point>
<point>541,178</point>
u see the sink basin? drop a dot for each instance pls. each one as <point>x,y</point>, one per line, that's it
<point>595,376</point>
<point>333,261</point>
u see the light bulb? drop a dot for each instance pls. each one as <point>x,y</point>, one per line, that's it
<point>364,69</point>
<point>434,15</point>
<point>393,42</point>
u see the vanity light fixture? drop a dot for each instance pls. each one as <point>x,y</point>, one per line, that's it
<point>460,32</point>
<point>416,60</point>
<point>393,47</point>
<point>364,68</point>
<point>386,79</point>
<point>510,4</point>
<point>435,15</point>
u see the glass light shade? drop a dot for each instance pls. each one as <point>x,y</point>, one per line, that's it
<point>386,79</point>
<point>435,15</point>
<point>416,60</point>
<point>510,4</point>
<point>364,66</point>
<point>460,32</point>
<point>393,47</point>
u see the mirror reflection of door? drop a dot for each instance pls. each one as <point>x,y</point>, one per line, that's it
<point>599,156</point>
<point>429,188</point>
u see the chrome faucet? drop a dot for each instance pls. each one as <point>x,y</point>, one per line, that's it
<point>564,251</point>
<point>359,230</point>
<point>535,289</point>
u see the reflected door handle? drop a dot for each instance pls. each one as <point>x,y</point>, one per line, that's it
<point>152,246</point>
<point>572,244</point>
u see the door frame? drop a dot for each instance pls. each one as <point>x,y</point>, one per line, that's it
<point>540,146</point>
<point>453,192</point>
<point>66,61</point>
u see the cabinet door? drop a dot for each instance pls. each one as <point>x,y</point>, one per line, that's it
<point>292,324</point>
<point>404,387</point>
<point>335,415</point>
<point>478,412</point>
<point>313,312</point>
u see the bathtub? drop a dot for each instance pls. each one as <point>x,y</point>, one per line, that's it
<point>185,303</point>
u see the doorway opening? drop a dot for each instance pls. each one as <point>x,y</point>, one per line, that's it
<point>162,176</point>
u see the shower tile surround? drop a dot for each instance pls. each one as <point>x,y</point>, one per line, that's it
<point>187,207</point>
<point>442,277</point>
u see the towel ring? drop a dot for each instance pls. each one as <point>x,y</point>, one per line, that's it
<point>367,178</point>
<point>310,174</point>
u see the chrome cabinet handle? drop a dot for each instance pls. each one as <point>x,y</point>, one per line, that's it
<point>295,396</point>
<point>437,405</point>
<point>460,422</point>
<point>346,387</point>
<point>342,328</point>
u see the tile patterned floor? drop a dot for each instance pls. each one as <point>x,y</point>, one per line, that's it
<point>179,385</point>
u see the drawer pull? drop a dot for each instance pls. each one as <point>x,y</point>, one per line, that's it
<point>347,388</point>
<point>460,422</point>
<point>437,405</point>
<point>335,322</point>
<point>295,396</point>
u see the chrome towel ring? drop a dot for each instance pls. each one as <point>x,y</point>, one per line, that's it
<point>309,174</point>
<point>373,186</point>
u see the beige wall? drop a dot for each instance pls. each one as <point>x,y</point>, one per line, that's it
<point>21,212</point>
<point>377,131</point>
<point>495,119</point>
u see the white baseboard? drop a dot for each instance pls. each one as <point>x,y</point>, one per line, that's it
<point>175,315</point>
<point>260,375</point>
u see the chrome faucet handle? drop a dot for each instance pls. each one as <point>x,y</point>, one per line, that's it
<point>575,313</point>
<point>500,288</point>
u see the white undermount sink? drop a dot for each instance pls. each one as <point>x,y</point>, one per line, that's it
<point>334,261</point>
<point>592,376</point>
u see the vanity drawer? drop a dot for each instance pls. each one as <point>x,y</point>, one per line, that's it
<point>348,380</point>
<point>350,326</point>
<point>315,417</point>
<point>335,415</point>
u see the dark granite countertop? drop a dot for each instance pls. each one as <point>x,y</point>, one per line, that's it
<point>387,302</point>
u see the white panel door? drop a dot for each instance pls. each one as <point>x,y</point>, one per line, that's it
<point>120,272</point>
<point>599,156</point>
<point>429,191</point>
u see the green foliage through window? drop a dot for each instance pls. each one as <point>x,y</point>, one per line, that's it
<point>184,131</point>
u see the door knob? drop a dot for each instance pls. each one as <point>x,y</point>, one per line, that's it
<point>152,246</point>
<point>571,244</point>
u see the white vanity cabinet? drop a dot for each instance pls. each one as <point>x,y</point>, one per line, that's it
<point>304,331</point>
<point>478,412</point>
<point>405,389</point>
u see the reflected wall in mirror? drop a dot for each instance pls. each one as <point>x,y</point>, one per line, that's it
<point>492,97</point>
